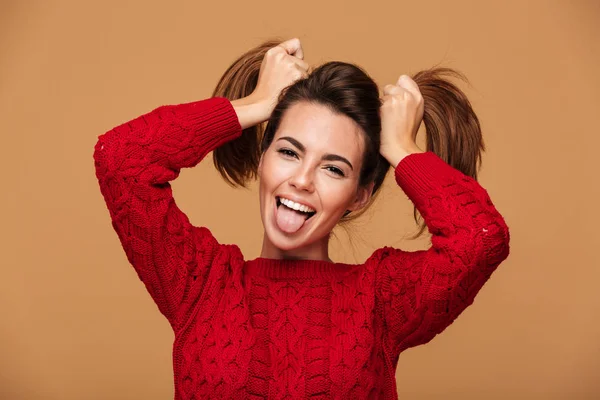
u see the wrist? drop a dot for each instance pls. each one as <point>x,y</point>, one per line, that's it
<point>395,155</point>
<point>251,111</point>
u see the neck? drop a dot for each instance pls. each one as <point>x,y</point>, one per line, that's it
<point>318,250</point>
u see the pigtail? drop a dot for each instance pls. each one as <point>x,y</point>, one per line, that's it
<point>237,161</point>
<point>452,129</point>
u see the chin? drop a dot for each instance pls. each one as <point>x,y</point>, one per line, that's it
<point>292,241</point>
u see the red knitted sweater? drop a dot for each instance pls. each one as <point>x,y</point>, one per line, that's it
<point>274,329</point>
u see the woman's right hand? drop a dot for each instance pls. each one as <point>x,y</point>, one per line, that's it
<point>282,66</point>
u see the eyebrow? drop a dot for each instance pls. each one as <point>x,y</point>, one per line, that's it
<point>327,157</point>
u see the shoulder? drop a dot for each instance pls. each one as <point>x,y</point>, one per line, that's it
<point>208,248</point>
<point>387,264</point>
<point>379,256</point>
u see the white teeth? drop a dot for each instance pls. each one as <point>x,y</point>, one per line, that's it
<point>296,206</point>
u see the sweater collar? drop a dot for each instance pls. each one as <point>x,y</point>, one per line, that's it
<point>282,269</point>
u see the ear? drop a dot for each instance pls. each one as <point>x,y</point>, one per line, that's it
<point>363,195</point>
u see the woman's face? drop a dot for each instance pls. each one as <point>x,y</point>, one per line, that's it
<point>309,175</point>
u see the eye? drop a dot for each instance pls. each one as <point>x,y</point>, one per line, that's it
<point>335,170</point>
<point>287,153</point>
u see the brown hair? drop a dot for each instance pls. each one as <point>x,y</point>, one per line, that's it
<point>452,129</point>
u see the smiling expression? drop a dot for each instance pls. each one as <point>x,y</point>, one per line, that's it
<point>313,165</point>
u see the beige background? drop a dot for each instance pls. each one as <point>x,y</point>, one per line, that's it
<point>77,323</point>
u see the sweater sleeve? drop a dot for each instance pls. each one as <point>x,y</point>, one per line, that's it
<point>423,292</point>
<point>134,163</point>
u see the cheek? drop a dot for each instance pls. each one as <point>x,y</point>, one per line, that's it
<point>336,195</point>
<point>272,173</point>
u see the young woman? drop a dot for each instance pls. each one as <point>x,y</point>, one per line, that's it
<point>293,323</point>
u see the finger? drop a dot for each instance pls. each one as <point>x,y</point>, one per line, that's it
<point>293,47</point>
<point>303,72</point>
<point>299,53</point>
<point>392,89</point>
<point>301,63</point>
<point>406,82</point>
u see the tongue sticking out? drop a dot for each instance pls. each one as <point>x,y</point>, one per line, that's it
<point>288,220</point>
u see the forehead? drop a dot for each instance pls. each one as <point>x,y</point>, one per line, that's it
<point>320,129</point>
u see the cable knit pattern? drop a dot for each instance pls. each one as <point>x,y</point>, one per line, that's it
<point>288,329</point>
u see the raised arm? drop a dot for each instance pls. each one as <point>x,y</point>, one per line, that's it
<point>134,164</point>
<point>136,161</point>
<point>423,292</point>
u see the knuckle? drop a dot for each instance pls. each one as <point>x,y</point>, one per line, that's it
<point>273,52</point>
<point>389,88</point>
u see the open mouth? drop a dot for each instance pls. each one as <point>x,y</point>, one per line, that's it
<point>301,211</point>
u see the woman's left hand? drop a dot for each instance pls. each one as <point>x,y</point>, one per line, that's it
<point>401,115</point>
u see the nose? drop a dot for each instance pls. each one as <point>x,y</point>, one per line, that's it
<point>303,179</point>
